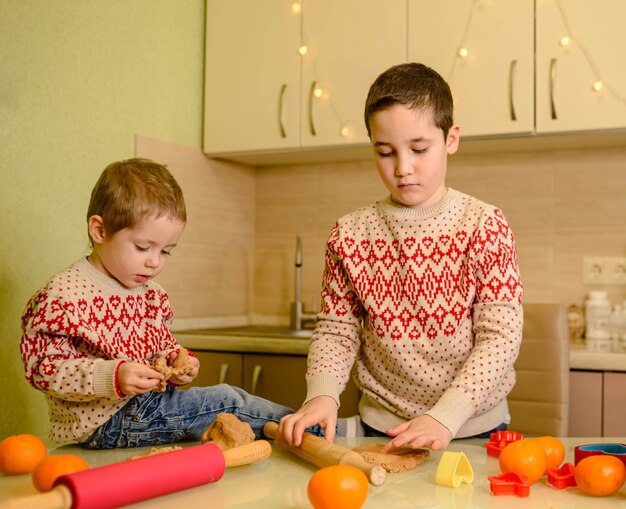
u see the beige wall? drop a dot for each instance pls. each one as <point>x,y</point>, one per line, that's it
<point>563,205</point>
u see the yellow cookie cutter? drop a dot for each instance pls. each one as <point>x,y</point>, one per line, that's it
<point>453,469</point>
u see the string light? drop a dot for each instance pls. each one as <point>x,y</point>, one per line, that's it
<point>345,131</point>
<point>566,41</point>
<point>318,92</point>
<point>303,50</point>
<point>296,8</point>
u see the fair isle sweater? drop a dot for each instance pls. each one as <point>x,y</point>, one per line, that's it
<point>77,330</point>
<point>423,306</point>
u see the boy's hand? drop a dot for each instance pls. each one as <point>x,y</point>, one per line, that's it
<point>321,410</point>
<point>184,379</point>
<point>136,378</point>
<point>423,431</point>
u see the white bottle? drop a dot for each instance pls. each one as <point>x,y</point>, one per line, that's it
<point>597,317</point>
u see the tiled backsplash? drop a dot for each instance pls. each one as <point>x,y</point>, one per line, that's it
<point>236,258</point>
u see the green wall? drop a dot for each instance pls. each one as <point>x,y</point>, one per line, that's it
<point>78,80</point>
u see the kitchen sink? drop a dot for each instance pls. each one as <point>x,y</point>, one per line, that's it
<point>257,331</point>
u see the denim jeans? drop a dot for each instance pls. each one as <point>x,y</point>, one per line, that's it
<point>157,418</point>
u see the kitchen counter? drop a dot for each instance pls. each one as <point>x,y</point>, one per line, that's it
<point>281,482</point>
<point>580,358</point>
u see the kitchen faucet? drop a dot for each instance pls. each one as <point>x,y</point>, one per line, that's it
<point>298,314</point>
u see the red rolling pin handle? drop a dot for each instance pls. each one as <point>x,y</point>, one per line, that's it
<point>144,478</point>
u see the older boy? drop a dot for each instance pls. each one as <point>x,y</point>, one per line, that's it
<point>421,291</point>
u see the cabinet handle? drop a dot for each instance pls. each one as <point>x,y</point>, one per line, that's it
<point>223,373</point>
<point>512,70</point>
<point>552,80</point>
<point>256,374</point>
<point>281,100</point>
<point>311,99</point>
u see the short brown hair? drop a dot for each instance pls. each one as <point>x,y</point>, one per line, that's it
<point>128,191</point>
<point>414,85</point>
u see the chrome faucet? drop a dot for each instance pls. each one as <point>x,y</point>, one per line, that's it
<point>298,314</point>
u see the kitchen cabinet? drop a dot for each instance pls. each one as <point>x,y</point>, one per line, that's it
<point>597,404</point>
<point>262,94</point>
<point>566,74</point>
<point>492,85</point>
<point>279,378</point>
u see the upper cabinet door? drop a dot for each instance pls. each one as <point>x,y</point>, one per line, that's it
<point>252,77</point>
<point>492,84</point>
<point>349,42</point>
<point>567,73</point>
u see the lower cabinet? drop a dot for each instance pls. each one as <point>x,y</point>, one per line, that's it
<point>279,378</point>
<point>596,404</point>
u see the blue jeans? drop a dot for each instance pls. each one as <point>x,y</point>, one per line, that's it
<point>157,418</point>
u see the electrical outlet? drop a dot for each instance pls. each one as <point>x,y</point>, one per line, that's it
<point>594,271</point>
<point>615,271</point>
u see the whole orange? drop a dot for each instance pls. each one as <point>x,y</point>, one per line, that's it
<point>600,475</point>
<point>55,466</point>
<point>20,454</point>
<point>342,486</point>
<point>555,451</point>
<point>524,457</point>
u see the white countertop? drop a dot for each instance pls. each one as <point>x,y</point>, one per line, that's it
<point>580,358</point>
<point>281,482</point>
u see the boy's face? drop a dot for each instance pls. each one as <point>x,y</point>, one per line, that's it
<point>135,254</point>
<point>411,154</point>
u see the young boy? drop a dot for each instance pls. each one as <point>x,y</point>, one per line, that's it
<point>93,333</point>
<point>421,294</point>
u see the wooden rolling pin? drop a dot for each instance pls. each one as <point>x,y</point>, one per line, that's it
<point>128,482</point>
<point>323,453</point>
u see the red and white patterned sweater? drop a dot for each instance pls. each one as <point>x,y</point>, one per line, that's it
<point>427,306</point>
<point>76,331</point>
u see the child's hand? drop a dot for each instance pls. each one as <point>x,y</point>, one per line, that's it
<point>184,379</point>
<point>423,431</point>
<point>136,378</point>
<point>321,410</point>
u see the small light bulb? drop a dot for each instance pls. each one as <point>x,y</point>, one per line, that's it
<point>302,50</point>
<point>317,92</point>
<point>345,131</point>
<point>598,85</point>
<point>565,40</point>
<point>296,8</point>
<point>463,52</point>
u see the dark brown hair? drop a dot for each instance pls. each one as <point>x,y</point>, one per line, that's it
<point>414,85</point>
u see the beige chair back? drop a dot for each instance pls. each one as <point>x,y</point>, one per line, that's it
<point>539,402</point>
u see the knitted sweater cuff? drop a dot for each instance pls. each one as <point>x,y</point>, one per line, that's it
<point>105,378</point>
<point>452,410</point>
<point>323,384</point>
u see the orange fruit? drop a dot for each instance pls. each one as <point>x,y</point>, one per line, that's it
<point>555,451</point>
<point>600,475</point>
<point>525,457</point>
<point>55,466</point>
<point>342,486</point>
<point>20,454</point>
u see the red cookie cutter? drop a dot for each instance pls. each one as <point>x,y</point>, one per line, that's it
<point>499,440</point>
<point>510,483</point>
<point>563,477</point>
<point>617,450</point>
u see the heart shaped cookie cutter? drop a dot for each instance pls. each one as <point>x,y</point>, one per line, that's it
<point>453,469</point>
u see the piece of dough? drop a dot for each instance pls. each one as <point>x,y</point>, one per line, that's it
<point>156,450</point>
<point>181,366</point>
<point>399,460</point>
<point>227,432</point>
